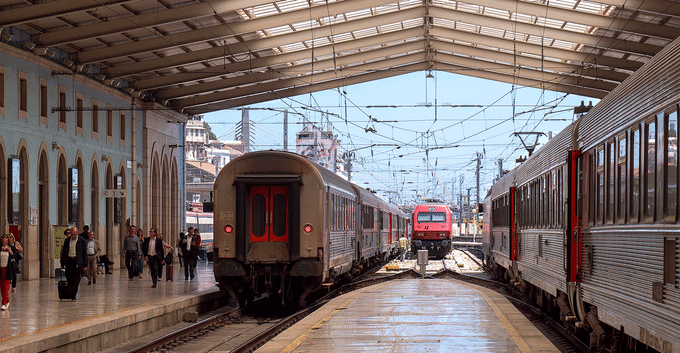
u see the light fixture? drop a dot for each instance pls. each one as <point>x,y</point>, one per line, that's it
<point>128,90</point>
<point>40,51</point>
<point>100,77</point>
<point>55,145</point>
<point>104,157</point>
<point>6,36</point>
<point>67,62</point>
<point>28,45</point>
<point>49,53</point>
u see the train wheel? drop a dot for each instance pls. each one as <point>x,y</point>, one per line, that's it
<point>241,298</point>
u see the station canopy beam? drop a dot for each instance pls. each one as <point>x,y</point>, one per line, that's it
<point>197,56</point>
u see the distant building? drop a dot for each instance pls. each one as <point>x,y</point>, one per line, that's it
<point>321,147</point>
<point>196,138</point>
<point>221,152</point>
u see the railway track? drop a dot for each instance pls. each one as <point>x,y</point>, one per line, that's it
<point>246,329</point>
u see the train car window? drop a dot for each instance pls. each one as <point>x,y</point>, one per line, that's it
<point>611,157</point>
<point>548,201</point>
<point>530,205</point>
<point>621,179</point>
<point>259,215</point>
<point>534,198</point>
<point>600,185</point>
<point>506,210</point>
<point>671,166</point>
<point>635,176</point>
<point>650,170</point>
<point>543,206</point>
<point>590,172</point>
<point>553,214</point>
<point>520,207</point>
<point>559,197</point>
<point>332,211</point>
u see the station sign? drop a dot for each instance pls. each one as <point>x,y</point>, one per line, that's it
<point>114,192</point>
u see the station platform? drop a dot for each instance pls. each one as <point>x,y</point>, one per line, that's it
<point>414,315</point>
<point>107,313</point>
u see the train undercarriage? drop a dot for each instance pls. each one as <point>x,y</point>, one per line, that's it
<point>578,318</point>
<point>292,284</point>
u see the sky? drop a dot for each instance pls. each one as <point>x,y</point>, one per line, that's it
<point>415,137</point>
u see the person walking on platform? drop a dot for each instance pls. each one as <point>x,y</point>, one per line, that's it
<point>93,252</point>
<point>180,254</point>
<point>153,253</point>
<point>162,255</point>
<point>6,270</point>
<point>132,251</point>
<point>74,260</point>
<point>86,233</point>
<point>18,255</point>
<point>140,263</point>
<point>189,251</point>
<point>197,235</point>
<point>107,262</point>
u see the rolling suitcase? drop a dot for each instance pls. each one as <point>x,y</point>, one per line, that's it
<point>168,272</point>
<point>62,285</point>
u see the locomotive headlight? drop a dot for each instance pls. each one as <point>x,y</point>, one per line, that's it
<point>307,228</point>
<point>442,235</point>
<point>228,229</point>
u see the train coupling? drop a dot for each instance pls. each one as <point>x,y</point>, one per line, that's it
<point>268,277</point>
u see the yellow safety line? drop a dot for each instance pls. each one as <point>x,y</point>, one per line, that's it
<point>516,337</point>
<point>303,337</point>
<point>65,324</point>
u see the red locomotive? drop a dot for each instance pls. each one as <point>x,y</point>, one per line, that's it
<point>432,229</point>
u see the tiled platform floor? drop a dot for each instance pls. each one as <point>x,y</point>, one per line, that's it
<point>414,315</point>
<point>35,306</point>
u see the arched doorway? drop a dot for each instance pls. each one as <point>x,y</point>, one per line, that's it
<point>18,200</point>
<point>44,241</point>
<point>79,199</point>
<point>165,179</point>
<point>94,200</point>
<point>155,193</point>
<point>109,213</point>
<point>62,191</point>
<point>174,204</point>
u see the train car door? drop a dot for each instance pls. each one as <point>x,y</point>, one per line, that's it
<point>575,184</point>
<point>512,225</point>
<point>269,215</point>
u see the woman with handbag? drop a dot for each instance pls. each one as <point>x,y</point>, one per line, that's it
<point>7,263</point>
<point>18,255</point>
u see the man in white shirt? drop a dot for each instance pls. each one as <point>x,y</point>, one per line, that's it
<point>189,251</point>
<point>153,253</point>
<point>93,252</point>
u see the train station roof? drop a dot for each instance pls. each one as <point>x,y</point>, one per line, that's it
<point>200,56</point>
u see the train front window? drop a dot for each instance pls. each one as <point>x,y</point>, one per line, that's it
<point>279,215</point>
<point>259,215</point>
<point>431,217</point>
